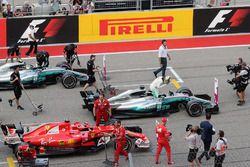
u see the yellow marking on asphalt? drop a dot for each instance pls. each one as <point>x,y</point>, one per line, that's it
<point>10,161</point>
<point>175,83</point>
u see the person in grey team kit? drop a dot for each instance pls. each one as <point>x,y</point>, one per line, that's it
<point>162,54</point>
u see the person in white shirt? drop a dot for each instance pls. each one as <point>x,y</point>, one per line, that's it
<point>158,83</point>
<point>220,148</point>
<point>32,40</point>
<point>194,143</point>
<point>162,54</point>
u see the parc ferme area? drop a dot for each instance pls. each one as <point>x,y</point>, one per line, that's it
<point>192,65</point>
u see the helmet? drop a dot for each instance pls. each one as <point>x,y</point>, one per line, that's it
<point>164,120</point>
<point>167,79</point>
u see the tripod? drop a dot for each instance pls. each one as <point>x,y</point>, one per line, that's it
<point>107,161</point>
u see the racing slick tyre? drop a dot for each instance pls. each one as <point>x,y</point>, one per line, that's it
<point>194,108</point>
<point>63,64</point>
<point>185,90</point>
<point>129,146</point>
<point>69,81</point>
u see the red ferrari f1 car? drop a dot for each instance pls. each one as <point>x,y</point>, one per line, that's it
<point>66,137</point>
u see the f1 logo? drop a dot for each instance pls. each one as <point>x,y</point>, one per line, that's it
<point>35,23</point>
<point>219,18</point>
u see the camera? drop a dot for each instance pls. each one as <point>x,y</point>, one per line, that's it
<point>189,127</point>
<point>235,68</point>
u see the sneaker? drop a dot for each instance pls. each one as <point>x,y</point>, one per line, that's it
<point>208,158</point>
<point>27,55</point>
<point>241,103</point>
<point>157,162</point>
<point>20,108</point>
<point>170,163</point>
<point>10,102</point>
<point>116,164</point>
<point>126,158</point>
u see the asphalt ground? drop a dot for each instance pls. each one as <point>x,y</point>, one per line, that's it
<point>197,68</point>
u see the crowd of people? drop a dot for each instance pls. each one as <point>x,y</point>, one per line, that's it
<point>55,8</point>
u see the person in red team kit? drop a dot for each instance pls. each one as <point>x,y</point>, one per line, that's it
<point>102,109</point>
<point>163,136</point>
<point>120,139</point>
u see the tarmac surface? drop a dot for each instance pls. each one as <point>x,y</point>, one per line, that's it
<point>197,68</point>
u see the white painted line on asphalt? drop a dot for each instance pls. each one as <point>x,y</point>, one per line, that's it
<point>176,75</point>
<point>131,85</point>
<point>5,162</point>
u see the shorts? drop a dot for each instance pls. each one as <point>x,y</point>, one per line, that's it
<point>241,87</point>
<point>17,92</point>
<point>91,79</point>
<point>192,154</point>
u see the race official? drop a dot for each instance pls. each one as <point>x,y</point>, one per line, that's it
<point>15,49</point>
<point>206,136</point>
<point>15,80</point>
<point>91,69</point>
<point>120,139</point>
<point>220,148</point>
<point>158,83</point>
<point>70,54</point>
<point>162,54</point>
<point>242,78</point>
<point>163,137</point>
<point>32,40</point>
<point>42,58</point>
<point>102,109</point>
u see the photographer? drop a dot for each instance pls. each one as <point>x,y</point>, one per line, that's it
<point>242,81</point>
<point>220,148</point>
<point>194,143</point>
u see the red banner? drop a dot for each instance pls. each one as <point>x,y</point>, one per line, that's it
<point>3,33</point>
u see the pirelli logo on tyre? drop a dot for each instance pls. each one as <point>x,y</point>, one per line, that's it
<point>136,25</point>
<point>144,25</point>
<point>221,21</point>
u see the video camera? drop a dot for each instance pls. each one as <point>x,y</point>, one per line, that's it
<point>233,69</point>
<point>189,128</point>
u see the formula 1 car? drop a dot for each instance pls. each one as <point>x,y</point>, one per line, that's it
<point>66,137</point>
<point>35,77</point>
<point>140,103</point>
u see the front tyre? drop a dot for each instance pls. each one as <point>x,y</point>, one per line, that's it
<point>69,81</point>
<point>194,108</point>
<point>128,145</point>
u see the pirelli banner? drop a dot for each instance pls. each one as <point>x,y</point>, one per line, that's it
<point>221,21</point>
<point>48,30</point>
<point>135,25</point>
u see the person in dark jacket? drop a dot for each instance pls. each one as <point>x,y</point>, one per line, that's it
<point>206,136</point>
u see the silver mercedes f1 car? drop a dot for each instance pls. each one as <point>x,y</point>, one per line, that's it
<point>140,103</point>
<point>34,77</point>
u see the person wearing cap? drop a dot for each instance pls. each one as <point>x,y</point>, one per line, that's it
<point>91,69</point>
<point>120,139</point>
<point>32,40</point>
<point>158,83</point>
<point>15,80</point>
<point>162,54</point>
<point>70,54</point>
<point>102,109</point>
<point>163,136</point>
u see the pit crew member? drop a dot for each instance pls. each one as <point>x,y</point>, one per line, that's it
<point>15,80</point>
<point>91,69</point>
<point>70,54</point>
<point>26,152</point>
<point>120,139</point>
<point>42,58</point>
<point>163,137</point>
<point>15,49</point>
<point>102,109</point>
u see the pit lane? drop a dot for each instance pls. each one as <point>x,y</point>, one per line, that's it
<point>197,68</point>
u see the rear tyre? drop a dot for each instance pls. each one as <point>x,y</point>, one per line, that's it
<point>185,90</point>
<point>194,108</point>
<point>63,64</point>
<point>128,146</point>
<point>69,81</point>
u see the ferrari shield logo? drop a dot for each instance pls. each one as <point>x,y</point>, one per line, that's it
<point>92,135</point>
<point>61,142</point>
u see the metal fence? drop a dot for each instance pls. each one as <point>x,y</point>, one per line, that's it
<point>67,7</point>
